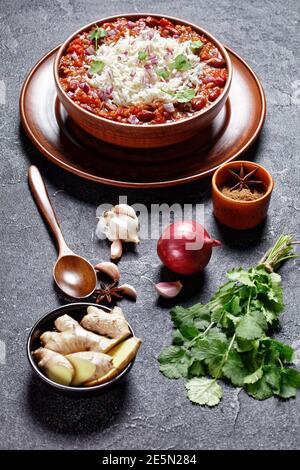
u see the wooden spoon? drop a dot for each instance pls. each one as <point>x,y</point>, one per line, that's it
<point>74,275</point>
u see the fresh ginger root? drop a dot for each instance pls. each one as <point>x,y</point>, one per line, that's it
<point>66,323</point>
<point>89,365</point>
<point>111,324</point>
<point>56,366</point>
<point>122,355</point>
<point>73,338</point>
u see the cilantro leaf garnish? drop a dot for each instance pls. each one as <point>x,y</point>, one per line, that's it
<point>96,66</point>
<point>185,95</point>
<point>227,338</point>
<point>142,55</point>
<point>96,34</point>
<point>196,45</point>
<point>181,63</point>
<point>163,73</point>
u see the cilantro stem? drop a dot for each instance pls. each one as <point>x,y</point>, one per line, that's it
<point>200,335</point>
<point>280,362</point>
<point>225,357</point>
<point>281,251</point>
<point>249,300</point>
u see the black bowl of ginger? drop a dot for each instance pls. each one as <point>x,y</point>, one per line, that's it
<point>117,353</point>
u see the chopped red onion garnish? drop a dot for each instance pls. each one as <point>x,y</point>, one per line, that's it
<point>133,120</point>
<point>169,107</point>
<point>109,89</point>
<point>130,24</point>
<point>89,50</point>
<point>153,59</point>
<point>86,106</point>
<point>112,32</point>
<point>85,87</point>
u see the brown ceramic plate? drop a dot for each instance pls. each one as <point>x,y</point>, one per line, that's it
<point>64,143</point>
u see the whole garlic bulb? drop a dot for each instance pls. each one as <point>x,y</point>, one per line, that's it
<point>119,224</point>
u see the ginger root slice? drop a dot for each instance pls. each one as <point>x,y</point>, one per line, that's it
<point>89,365</point>
<point>122,355</point>
<point>55,366</point>
<point>111,324</point>
<point>83,370</point>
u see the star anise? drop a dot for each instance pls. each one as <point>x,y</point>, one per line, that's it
<point>243,180</point>
<point>107,291</point>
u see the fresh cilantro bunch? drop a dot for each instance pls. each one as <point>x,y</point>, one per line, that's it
<point>229,337</point>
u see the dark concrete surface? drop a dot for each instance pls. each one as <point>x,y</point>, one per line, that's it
<point>147,411</point>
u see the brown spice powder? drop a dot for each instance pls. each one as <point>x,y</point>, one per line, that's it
<point>243,194</point>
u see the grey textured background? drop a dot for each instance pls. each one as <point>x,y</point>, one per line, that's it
<point>147,411</point>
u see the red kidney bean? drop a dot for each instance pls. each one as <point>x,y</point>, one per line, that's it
<point>73,85</point>
<point>214,93</point>
<point>145,115</point>
<point>216,62</point>
<point>199,103</point>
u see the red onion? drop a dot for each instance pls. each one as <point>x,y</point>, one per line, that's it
<point>185,247</point>
<point>112,32</point>
<point>169,107</point>
<point>130,24</point>
<point>89,50</point>
<point>85,87</point>
<point>109,89</point>
<point>153,59</point>
<point>133,119</point>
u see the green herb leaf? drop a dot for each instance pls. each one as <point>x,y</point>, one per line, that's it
<point>240,275</point>
<point>196,45</point>
<point>181,63</point>
<point>97,34</point>
<point>163,73</point>
<point>251,326</point>
<point>290,381</point>
<point>234,369</point>
<point>174,362</point>
<point>185,95</point>
<point>142,55</point>
<point>254,377</point>
<point>96,66</point>
<point>196,369</point>
<point>260,390</point>
<point>272,376</point>
<point>204,391</point>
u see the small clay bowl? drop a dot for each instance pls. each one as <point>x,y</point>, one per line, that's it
<point>76,310</point>
<point>239,214</point>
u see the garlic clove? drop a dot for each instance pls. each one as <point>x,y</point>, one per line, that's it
<point>128,290</point>
<point>110,269</point>
<point>125,209</point>
<point>168,289</point>
<point>123,227</point>
<point>116,249</point>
